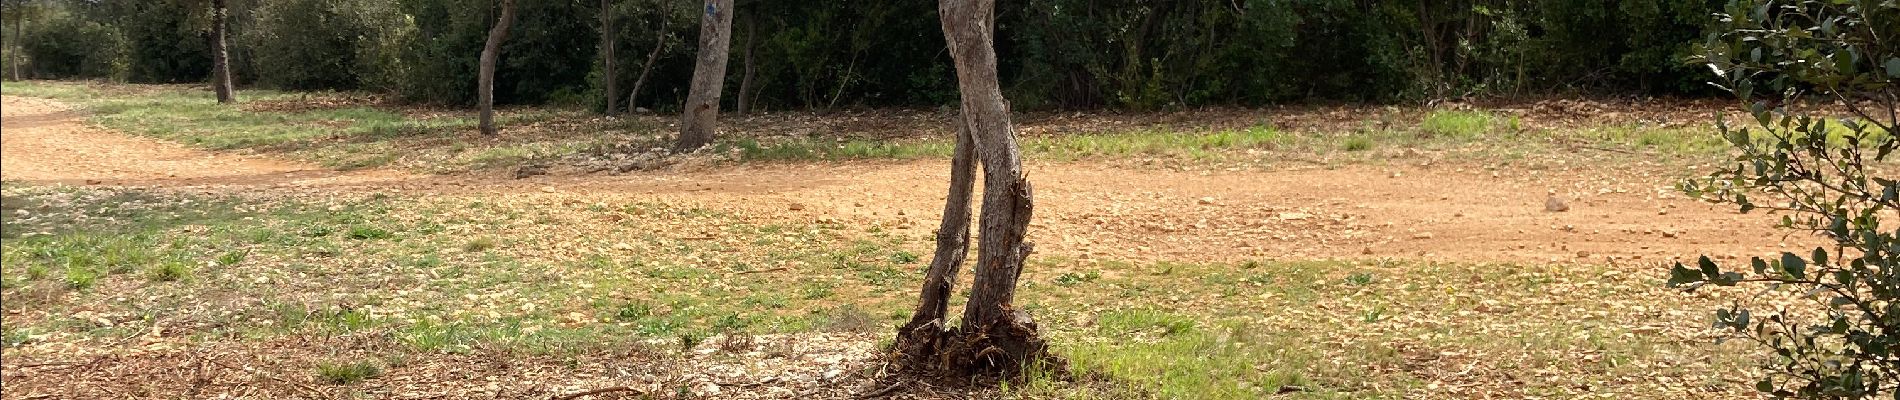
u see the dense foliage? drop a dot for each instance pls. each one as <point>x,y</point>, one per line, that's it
<point>1825,177</point>
<point>816,55</point>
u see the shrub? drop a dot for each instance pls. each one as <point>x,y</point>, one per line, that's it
<point>1817,173</point>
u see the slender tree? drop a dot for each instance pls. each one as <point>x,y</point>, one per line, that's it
<point>700,121</point>
<point>659,44</point>
<point>607,57</point>
<point>17,9</point>
<point>995,336</point>
<point>220,57</point>
<point>744,102</point>
<point>486,83</point>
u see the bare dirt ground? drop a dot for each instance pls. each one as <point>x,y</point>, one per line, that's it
<point>1414,209</point>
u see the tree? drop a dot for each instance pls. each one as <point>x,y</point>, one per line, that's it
<point>220,57</point>
<point>16,8</point>
<point>659,45</point>
<point>490,52</point>
<point>1823,177</point>
<point>995,337</point>
<point>700,120</point>
<point>607,57</point>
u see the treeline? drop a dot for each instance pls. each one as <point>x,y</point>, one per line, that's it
<point>826,54</point>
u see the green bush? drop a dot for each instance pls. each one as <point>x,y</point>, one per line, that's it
<point>324,44</point>
<point>1819,174</point>
<point>61,46</point>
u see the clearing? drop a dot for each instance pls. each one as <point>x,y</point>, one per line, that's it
<point>140,267</point>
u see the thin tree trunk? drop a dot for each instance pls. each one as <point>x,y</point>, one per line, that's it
<point>19,21</point>
<point>745,81</point>
<point>607,57</point>
<point>843,82</point>
<point>220,57</point>
<point>659,43</point>
<point>490,52</point>
<point>700,121</point>
<point>953,239</point>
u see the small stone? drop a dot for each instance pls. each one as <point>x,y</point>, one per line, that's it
<point>1422,235</point>
<point>1366,251</point>
<point>1668,234</point>
<point>1294,216</point>
<point>796,206</point>
<point>1555,204</point>
<point>1207,201</point>
<point>547,189</point>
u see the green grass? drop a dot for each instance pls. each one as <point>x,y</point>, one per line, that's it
<point>347,373</point>
<point>1457,124</point>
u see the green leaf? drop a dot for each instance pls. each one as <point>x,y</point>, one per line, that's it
<point>1681,275</point>
<point>1893,67</point>
<point>1794,265</point>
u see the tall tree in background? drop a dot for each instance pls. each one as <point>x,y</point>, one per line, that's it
<point>701,119</point>
<point>16,9</point>
<point>490,52</point>
<point>607,57</point>
<point>220,56</point>
<point>995,337</point>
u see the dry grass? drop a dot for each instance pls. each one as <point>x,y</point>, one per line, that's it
<point>563,280</point>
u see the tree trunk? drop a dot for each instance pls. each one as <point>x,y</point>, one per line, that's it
<point>607,57</point>
<point>953,238</point>
<point>19,23</point>
<point>700,121</point>
<point>996,338</point>
<point>220,57</point>
<point>745,81</point>
<point>486,83</point>
<point>659,43</point>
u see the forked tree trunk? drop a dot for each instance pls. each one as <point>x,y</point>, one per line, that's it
<point>491,51</point>
<point>220,57</point>
<point>700,121</point>
<point>659,43</point>
<point>996,338</point>
<point>745,80</point>
<point>607,57</point>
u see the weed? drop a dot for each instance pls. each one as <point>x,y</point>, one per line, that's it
<point>1358,143</point>
<point>1456,124</point>
<point>230,258</point>
<point>479,244</point>
<point>347,373</point>
<point>1359,279</point>
<point>1072,279</point>
<point>169,271</point>
<point>361,232</point>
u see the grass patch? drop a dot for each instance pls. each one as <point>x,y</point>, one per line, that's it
<point>1456,124</point>
<point>347,373</point>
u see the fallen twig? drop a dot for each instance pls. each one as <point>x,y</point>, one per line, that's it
<point>886,391</point>
<point>597,391</point>
<point>761,271</point>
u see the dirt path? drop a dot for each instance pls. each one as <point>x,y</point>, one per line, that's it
<point>1415,211</point>
<point>47,141</point>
